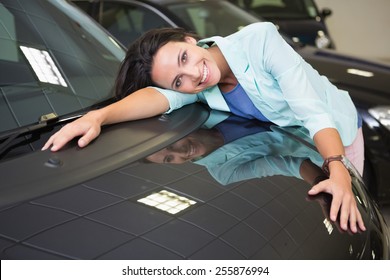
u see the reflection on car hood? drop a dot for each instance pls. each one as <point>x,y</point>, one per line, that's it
<point>240,193</point>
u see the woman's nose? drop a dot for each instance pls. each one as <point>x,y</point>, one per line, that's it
<point>192,72</point>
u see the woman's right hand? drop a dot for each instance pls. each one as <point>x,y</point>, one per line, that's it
<point>88,127</point>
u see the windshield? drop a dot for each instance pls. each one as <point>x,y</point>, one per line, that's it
<point>278,9</point>
<point>53,59</point>
<point>209,18</point>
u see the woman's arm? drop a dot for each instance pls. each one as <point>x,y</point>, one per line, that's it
<point>306,93</point>
<point>144,103</point>
<point>339,185</point>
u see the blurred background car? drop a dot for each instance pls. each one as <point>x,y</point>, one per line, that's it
<point>298,19</point>
<point>127,20</point>
<point>114,199</point>
<point>368,82</point>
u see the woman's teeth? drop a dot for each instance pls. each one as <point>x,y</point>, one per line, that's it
<point>205,73</point>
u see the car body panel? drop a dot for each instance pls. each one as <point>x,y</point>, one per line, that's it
<point>106,154</point>
<point>249,216</point>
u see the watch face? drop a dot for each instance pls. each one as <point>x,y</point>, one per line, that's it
<point>350,167</point>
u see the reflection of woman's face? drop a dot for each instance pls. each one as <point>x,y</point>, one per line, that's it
<point>183,150</point>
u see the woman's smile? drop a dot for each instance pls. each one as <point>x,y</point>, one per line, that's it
<point>205,74</point>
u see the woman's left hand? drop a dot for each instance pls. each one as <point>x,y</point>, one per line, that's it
<point>339,186</point>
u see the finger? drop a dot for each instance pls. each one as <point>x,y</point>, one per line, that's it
<point>88,137</point>
<point>62,137</point>
<point>352,220</point>
<point>320,187</point>
<point>58,143</point>
<point>48,143</point>
<point>334,208</point>
<point>360,220</point>
<point>345,215</point>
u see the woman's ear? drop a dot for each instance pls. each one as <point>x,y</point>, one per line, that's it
<point>190,40</point>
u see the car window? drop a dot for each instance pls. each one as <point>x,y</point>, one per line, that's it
<point>57,62</point>
<point>212,17</point>
<point>281,8</point>
<point>127,22</point>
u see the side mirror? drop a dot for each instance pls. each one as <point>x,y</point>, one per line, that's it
<point>326,12</point>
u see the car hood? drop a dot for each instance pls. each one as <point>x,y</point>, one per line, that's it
<point>243,196</point>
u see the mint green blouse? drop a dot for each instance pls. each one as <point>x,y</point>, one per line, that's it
<point>284,87</point>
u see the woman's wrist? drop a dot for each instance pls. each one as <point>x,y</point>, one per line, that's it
<point>333,162</point>
<point>100,115</point>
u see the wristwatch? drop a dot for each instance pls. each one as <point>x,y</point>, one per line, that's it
<point>345,161</point>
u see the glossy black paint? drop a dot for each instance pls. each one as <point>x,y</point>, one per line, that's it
<point>256,208</point>
<point>105,155</point>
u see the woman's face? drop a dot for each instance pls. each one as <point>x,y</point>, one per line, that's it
<point>185,67</point>
<point>179,152</point>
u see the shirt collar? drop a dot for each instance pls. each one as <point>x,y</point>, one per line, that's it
<point>231,50</point>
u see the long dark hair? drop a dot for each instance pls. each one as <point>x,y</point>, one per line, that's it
<point>135,70</point>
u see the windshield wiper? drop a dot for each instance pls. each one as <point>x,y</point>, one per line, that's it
<point>45,121</point>
<point>10,136</point>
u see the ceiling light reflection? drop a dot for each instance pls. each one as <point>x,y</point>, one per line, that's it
<point>359,72</point>
<point>167,201</point>
<point>328,226</point>
<point>43,66</point>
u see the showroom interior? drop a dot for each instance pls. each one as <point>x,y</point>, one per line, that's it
<point>358,27</point>
<point>197,183</point>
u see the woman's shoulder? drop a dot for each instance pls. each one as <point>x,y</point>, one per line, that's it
<point>257,28</point>
<point>252,31</point>
<point>264,25</point>
<point>255,33</point>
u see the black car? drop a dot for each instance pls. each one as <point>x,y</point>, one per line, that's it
<point>368,82</point>
<point>128,19</point>
<point>300,19</point>
<point>118,198</point>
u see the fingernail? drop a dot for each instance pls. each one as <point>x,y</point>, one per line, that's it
<point>81,143</point>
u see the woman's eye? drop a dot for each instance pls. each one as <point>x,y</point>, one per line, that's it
<point>184,57</point>
<point>178,83</point>
<point>168,159</point>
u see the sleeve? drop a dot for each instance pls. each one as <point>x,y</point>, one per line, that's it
<point>258,168</point>
<point>177,99</point>
<point>302,87</point>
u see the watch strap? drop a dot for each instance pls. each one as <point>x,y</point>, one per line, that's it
<point>325,166</point>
